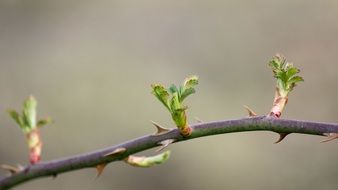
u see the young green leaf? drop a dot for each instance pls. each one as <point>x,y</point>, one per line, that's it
<point>146,162</point>
<point>285,73</point>
<point>188,87</point>
<point>190,82</point>
<point>43,122</point>
<point>175,103</point>
<point>187,92</point>
<point>161,94</point>
<point>29,112</point>
<point>17,118</point>
<point>173,89</point>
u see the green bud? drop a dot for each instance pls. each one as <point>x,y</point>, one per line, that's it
<point>146,162</point>
<point>174,101</point>
<point>285,73</point>
<point>29,112</point>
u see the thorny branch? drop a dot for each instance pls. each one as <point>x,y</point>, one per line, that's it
<point>173,100</point>
<point>123,150</point>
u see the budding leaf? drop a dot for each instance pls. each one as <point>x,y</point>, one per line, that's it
<point>188,87</point>
<point>146,162</point>
<point>17,118</point>
<point>190,82</point>
<point>161,94</point>
<point>29,112</point>
<point>285,73</point>
<point>43,122</point>
<point>28,120</point>
<point>174,101</point>
<point>173,89</point>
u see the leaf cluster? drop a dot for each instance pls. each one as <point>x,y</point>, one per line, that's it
<point>27,121</point>
<point>285,73</point>
<point>173,97</point>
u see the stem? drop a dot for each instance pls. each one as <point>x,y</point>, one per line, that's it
<point>35,145</point>
<point>92,159</point>
<point>278,105</point>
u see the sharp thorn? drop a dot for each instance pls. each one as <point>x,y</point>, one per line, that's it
<point>115,152</point>
<point>281,137</point>
<point>198,120</point>
<point>330,137</point>
<point>250,112</point>
<point>160,130</point>
<point>11,169</point>
<point>99,169</point>
<point>164,144</point>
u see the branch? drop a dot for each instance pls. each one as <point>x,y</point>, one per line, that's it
<point>107,155</point>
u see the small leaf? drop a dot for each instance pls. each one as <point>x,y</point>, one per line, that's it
<point>173,89</point>
<point>43,122</point>
<point>274,65</point>
<point>29,112</point>
<point>188,87</point>
<point>17,118</point>
<point>175,104</point>
<point>161,94</point>
<point>295,79</point>
<point>190,82</point>
<point>146,162</point>
<point>291,72</point>
<point>187,92</point>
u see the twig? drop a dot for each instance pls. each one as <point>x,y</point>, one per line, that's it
<point>92,159</point>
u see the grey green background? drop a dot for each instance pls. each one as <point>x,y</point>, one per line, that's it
<point>90,65</point>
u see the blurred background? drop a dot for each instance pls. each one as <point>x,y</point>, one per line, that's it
<point>90,65</point>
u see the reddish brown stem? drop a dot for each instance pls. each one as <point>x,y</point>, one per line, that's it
<point>35,145</point>
<point>279,103</point>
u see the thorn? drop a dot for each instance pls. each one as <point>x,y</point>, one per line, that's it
<point>281,137</point>
<point>164,144</point>
<point>12,169</point>
<point>160,130</point>
<point>251,113</point>
<point>330,137</point>
<point>115,152</point>
<point>99,169</point>
<point>198,120</point>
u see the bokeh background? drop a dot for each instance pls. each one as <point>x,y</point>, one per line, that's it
<point>90,65</point>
